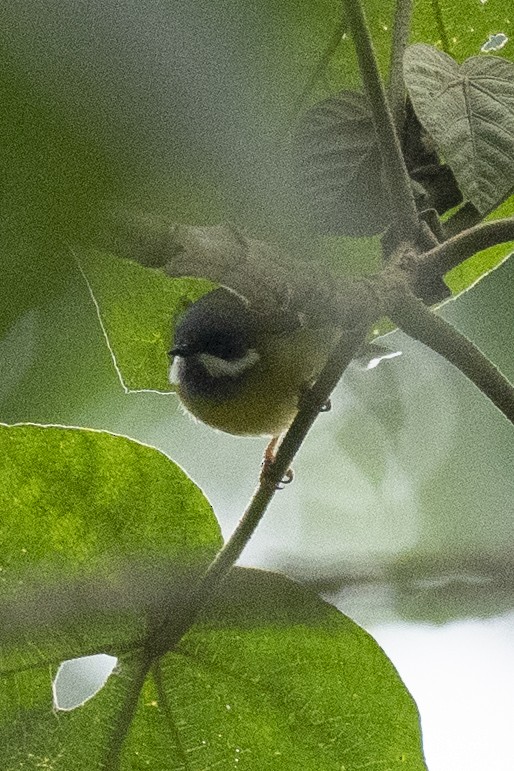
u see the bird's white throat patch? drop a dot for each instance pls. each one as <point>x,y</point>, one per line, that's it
<point>174,371</point>
<point>218,367</point>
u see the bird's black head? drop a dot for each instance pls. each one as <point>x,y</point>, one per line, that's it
<point>219,323</point>
<point>214,345</point>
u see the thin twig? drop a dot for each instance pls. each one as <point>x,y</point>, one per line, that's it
<point>418,321</point>
<point>401,31</point>
<point>288,448</point>
<point>468,215</point>
<point>397,177</point>
<point>452,252</point>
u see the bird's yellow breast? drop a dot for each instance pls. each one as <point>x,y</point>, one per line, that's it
<point>268,399</point>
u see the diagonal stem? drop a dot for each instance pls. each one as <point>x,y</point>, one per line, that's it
<point>396,176</point>
<point>418,321</point>
<point>172,630</point>
<point>311,405</point>
<point>401,31</point>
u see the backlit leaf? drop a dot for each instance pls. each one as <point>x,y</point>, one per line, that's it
<point>136,307</point>
<point>111,521</point>
<point>271,677</point>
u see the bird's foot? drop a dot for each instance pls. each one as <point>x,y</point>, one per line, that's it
<point>267,464</point>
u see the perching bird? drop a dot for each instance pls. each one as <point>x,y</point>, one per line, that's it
<point>240,371</point>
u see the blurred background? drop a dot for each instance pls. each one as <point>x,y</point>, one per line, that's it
<point>402,508</point>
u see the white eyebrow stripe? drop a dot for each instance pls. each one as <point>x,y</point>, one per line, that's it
<point>218,367</point>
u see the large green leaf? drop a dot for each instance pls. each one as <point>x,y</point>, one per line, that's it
<point>469,112</point>
<point>461,29</point>
<point>136,308</point>
<point>102,515</point>
<point>34,736</point>
<point>272,677</point>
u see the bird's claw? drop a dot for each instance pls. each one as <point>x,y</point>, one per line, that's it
<point>286,479</point>
<point>267,464</point>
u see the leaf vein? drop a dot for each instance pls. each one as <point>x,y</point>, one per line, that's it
<point>168,714</point>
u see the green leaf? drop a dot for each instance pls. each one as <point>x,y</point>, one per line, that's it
<point>35,736</point>
<point>475,268</point>
<point>272,677</point>
<point>137,307</point>
<point>107,518</point>
<point>340,167</point>
<point>469,112</point>
<point>462,28</point>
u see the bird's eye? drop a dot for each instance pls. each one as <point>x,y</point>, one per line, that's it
<point>225,347</point>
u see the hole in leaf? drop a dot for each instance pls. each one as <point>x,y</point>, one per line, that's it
<point>78,680</point>
<point>495,42</point>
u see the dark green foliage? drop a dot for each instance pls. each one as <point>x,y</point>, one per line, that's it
<point>468,111</point>
<point>104,540</point>
<point>340,168</point>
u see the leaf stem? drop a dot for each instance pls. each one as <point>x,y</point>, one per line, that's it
<point>418,321</point>
<point>396,176</point>
<point>452,252</point>
<point>401,32</point>
<point>136,670</point>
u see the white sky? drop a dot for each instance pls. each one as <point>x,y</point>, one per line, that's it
<point>461,675</point>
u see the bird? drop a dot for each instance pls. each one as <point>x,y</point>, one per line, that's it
<point>243,371</point>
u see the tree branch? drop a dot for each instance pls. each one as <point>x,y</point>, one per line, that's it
<point>452,252</point>
<point>264,274</point>
<point>418,321</point>
<point>396,176</point>
<point>257,270</point>
<point>401,31</point>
